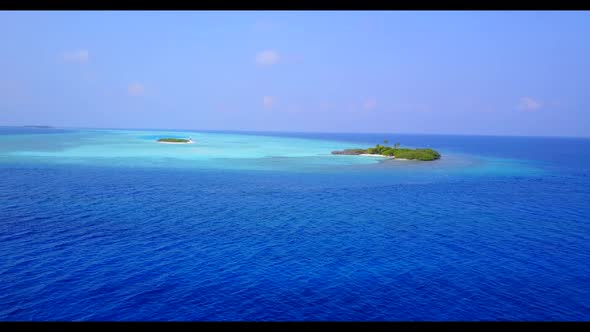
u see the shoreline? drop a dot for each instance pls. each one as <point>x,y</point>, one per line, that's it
<point>175,142</point>
<point>382,156</point>
<point>376,155</point>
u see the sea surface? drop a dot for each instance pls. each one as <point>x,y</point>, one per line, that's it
<point>109,225</point>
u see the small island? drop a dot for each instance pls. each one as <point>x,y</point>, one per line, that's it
<point>170,140</point>
<point>394,152</point>
<point>38,126</point>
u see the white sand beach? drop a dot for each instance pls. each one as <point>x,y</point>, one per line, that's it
<point>382,156</point>
<point>191,142</point>
<point>376,155</point>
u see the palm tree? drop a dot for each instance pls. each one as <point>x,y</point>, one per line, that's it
<point>396,145</point>
<point>385,141</point>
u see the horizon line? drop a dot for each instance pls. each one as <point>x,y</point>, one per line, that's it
<point>300,132</point>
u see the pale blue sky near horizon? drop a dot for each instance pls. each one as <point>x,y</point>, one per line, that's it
<point>439,72</point>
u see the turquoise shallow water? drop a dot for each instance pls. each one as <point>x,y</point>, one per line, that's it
<point>110,225</point>
<point>212,150</point>
<point>133,148</point>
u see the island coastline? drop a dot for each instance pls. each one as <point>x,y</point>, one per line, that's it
<point>171,140</point>
<point>191,142</point>
<point>376,155</point>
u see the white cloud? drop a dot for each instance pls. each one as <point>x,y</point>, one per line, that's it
<point>80,56</point>
<point>369,104</point>
<point>136,89</point>
<point>267,57</point>
<point>268,101</point>
<point>529,104</point>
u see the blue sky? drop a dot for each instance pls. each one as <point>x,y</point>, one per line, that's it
<point>492,73</point>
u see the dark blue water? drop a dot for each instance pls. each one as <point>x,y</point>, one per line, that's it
<point>82,242</point>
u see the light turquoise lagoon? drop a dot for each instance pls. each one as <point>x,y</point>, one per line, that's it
<point>234,151</point>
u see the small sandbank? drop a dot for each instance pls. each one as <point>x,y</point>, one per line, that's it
<point>174,140</point>
<point>191,142</point>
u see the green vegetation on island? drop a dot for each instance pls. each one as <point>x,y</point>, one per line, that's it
<point>424,154</point>
<point>174,140</point>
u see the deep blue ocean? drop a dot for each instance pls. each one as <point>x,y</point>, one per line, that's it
<point>498,229</point>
